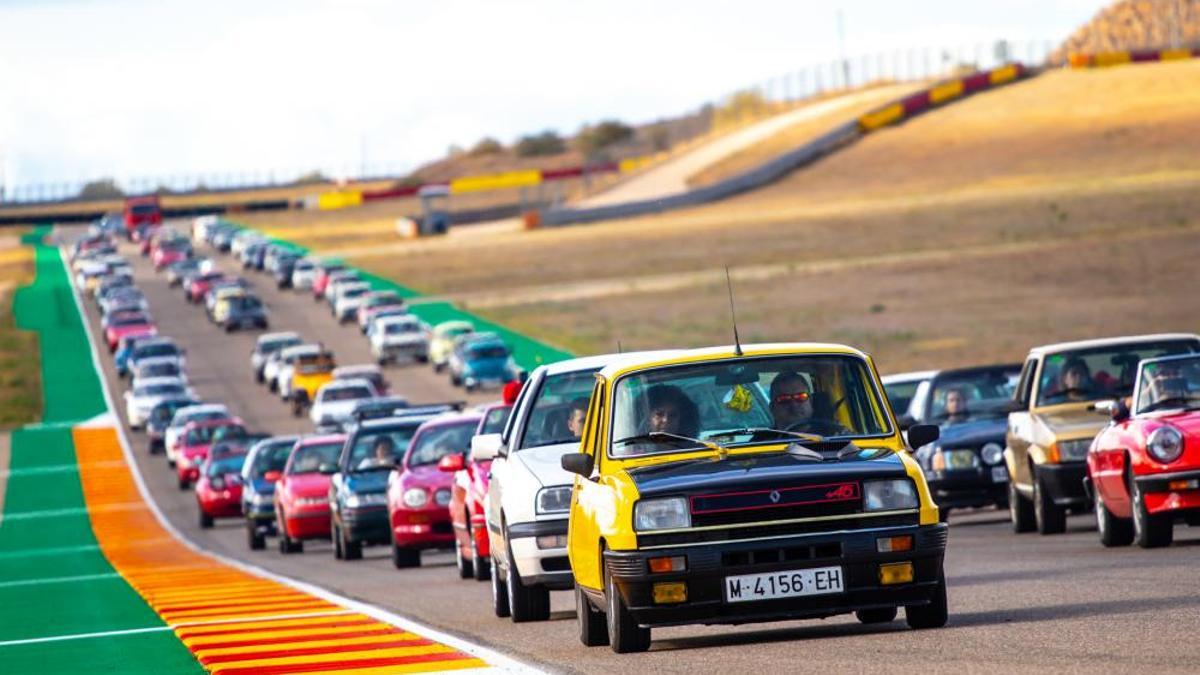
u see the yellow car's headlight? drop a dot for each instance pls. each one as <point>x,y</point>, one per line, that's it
<point>889,495</point>
<point>661,514</point>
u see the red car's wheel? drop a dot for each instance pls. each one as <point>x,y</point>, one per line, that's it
<point>1149,530</point>
<point>1114,531</point>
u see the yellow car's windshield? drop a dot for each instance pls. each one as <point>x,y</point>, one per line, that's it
<point>746,400</point>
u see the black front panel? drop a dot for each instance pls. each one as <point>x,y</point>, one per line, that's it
<point>776,503</point>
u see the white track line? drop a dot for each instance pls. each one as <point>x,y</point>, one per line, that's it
<point>59,580</point>
<point>84,636</point>
<point>494,658</point>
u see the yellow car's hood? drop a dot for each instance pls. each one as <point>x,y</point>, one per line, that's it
<point>1072,422</point>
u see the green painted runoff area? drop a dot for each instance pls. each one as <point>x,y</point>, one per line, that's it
<point>45,535</point>
<point>527,352</point>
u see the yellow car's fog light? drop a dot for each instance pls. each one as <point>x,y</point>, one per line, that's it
<point>670,593</point>
<point>894,544</point>
<point>896,573</point>
<point>675,563</point>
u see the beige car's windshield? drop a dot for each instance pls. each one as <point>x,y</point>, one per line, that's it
<point>748,400</point>
<point>1100,372</point>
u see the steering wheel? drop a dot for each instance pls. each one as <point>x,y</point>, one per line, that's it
<point>821,427</point>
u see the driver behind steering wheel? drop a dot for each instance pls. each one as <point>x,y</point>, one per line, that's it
<point>792,407</point>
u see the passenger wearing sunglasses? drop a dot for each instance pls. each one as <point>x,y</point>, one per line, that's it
<point>792,407</point>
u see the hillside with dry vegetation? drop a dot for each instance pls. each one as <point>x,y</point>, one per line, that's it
<point>1137,24</point>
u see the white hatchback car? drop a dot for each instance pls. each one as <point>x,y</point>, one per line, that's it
<point>335,402</point>
<point>529,495</point>
<point>397,337</point>
<point>148,392</point>
<point>347,299</point>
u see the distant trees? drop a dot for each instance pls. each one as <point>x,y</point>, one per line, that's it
<point>593,138</point>
<point>486,146</point>
<point>311,178</point>
<point>103,188</point>
<point>548,142</point>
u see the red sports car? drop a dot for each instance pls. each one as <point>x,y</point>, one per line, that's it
<point>194,442</point>
<point>1144,468</point>
<point>200,284</point>
<point>468,495</point>
<point>302,495</point>
<point>219,490</point>
<point>419,495</point>
<point>168,253</point>
<point>125,324</point>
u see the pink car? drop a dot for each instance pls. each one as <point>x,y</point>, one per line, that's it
<point>419,497</point>
<point>194,442</point>
<point>302,494</point>
<point>127,324</point>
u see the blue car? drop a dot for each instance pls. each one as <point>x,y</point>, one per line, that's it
<point>480,361</point>
<point>358,491</point>
<point>263,466</point>
<point>965,466</point>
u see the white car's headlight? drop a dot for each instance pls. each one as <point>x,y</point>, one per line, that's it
<point>992,453</point>
<point>415,498</point>
<point>889,495</point>
<point>554,499</point>
<point>1165,444</point>
<point>661,514</point>
<point>358,501</point>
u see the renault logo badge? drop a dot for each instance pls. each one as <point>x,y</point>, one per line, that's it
<point>774,496</point>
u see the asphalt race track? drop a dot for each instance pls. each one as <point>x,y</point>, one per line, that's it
<point>1037,604</point>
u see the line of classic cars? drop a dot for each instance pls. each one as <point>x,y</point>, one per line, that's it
<point>725,485</point>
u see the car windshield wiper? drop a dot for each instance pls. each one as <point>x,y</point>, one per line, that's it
<point>664,437</point>
<point>1173,402</point>
<point>556,441</point>
<point>811,438</point>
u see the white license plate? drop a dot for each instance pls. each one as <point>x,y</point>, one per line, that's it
<point>999,474</point>
<point>790,584</point>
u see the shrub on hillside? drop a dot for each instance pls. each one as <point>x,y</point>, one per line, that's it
<point>104,188</point>
<point>486,146</point>
<point>311,178</point>
<point>1136,24</point>
<point>741,106</point>
<point>539,145</point>
<point>591,139</point>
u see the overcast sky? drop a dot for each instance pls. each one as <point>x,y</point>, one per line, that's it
<point>157,87</point>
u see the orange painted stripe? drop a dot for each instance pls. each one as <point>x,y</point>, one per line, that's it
<point>233,621</point>
<point>276,651</point>
<point>882,117</point>
<point>251,646</point>
<point>274,624</point>
<point>439,662</point>
<point>1174,54</point>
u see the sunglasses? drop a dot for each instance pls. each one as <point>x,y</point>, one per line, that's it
<point>798,397</point>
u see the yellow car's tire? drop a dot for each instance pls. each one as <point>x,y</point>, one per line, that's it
<point>625,636</point>
<point>1020,510</point>
<point>593,630</point>
<point>933,615</point>
<point>1050,517</point>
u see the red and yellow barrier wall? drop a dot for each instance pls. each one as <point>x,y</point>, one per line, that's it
<point>939,94</point>
<point>1119,58</point>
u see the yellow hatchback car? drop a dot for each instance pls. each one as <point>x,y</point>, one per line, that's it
<point>734,485</point>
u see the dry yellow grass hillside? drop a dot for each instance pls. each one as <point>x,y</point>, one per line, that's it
<point>1064,207</point>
